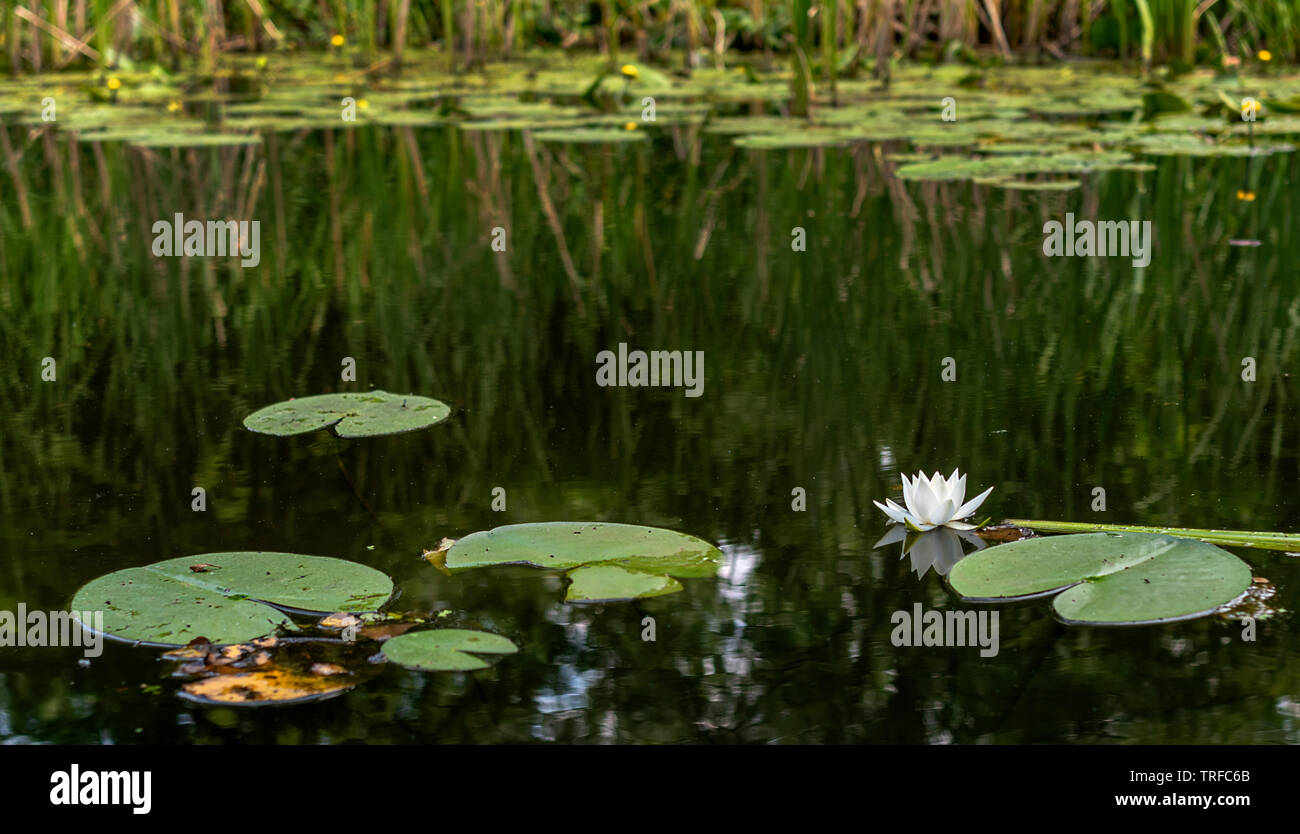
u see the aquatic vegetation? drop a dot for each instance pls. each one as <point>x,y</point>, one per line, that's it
<point>934,502</point>
<point>1232,538</point>
<point>224,614</point>
<point>446,649</point>
<point>1107,578</point>
<point>226,597</point>
<point>369,414</point>
<point>606,562</point>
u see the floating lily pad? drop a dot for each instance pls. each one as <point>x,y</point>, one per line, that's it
<point>571,544</point>
<point>638,551</point>
<point>445,649</point>
<point>611,583</point>
<point>807,138</point>
<point>170,603</point>
<point>591,135</point>
<point>1107,578</point>
<point>371,414</point>
<point>196,140</point>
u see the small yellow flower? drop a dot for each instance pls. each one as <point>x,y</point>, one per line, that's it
<point>1250,105</point>
<point>337,40</point>
<point>1265,55</point>
<point>173,106</point>
<point>114,83</point>
<point>1246,196</point>
<point>629,71</point>
<point>363,104</point>
<point>630,126</point>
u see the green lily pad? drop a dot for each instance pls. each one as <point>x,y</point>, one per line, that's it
<point>445,649</point>
<point>221,596</point>
<point>196,140</point>
<point>1107,578</point>
<point>645,556</point>
<point>591,135</point>
<point>371,414</point>
<point>611,583</point>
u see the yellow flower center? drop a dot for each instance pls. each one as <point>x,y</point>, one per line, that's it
<point>630,71</point>
<point>337,40</point>
<point>114,83</point>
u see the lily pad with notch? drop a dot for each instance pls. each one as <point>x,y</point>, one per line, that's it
<point>370,414</point>
<point>446,649</point>
<point>646,557</point>
<point>238,597</point>
<point>1107,578</point>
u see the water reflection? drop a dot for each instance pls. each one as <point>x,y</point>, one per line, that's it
<point>940,548</point>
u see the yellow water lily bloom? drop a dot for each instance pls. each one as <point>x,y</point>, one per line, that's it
<point>363,104</point>
<point>173,106</point>
<point>337,40</point>
<point>1247,196</point>
<point>1265,55</point>
<point>114,83</point>
<point>1250,105</point>
<point>629,71</point>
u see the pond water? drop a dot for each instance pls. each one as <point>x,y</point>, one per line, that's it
<point>824,370</point>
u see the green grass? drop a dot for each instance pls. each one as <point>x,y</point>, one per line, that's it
<point>1166,30</point>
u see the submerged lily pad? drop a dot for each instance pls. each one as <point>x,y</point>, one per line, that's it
<point>611,583</point>
<point>1107,578</point>
<point>645,557</point>
<point>445,649</point>
<point>371,414</point>
<point>170,603</point>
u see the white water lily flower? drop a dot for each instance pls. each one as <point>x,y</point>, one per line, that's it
<point>934,502</point>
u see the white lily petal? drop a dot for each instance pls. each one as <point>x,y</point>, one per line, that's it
<point>969,508</point>
<point>908,490</point>
<point>892,510</point>
<point>923,498</point>
<point>958,494</point>
<point>943,514</point>
<point>960,525</point>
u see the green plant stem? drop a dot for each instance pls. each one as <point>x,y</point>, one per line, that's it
<point>1232,538</point>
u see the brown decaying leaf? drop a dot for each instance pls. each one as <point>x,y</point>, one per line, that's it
<point>268,686</point>
<point>383,631</point>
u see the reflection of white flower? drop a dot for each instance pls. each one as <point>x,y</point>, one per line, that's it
<point>939,549</point>
<point>934,502</point>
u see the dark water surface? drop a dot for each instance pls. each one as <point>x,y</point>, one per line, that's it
<point>822,372</point>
